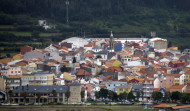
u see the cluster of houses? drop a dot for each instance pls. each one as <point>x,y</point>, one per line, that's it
<point>89,64</point>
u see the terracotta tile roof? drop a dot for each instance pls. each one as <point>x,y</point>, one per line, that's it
<point>108,65</point>
<point>187,73</point>
<point>50,65</point>
<point>163,106</point>
<point>14,76</point>
<point>99,78</point>
<point>123,80</point>
<point>78,51</point>
<point>176,62</point>
<point>64,48</point>
<point>5,60</point>
<point>167,68</point>
<point>109,76</point>
<point>177,86</point>
<point>115,69</point>
<point>180,107</point>
<point>83,72</point>
<point>175,75</point>
<point>102,86</point>
<point>89,45</point>
<point>88,55</point>
<point>156,89</point>
<point>167,89</point>
<point>141,67</point>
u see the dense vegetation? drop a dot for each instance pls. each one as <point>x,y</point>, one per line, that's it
<point>126,18</point>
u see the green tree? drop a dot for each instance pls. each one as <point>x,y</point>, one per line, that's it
<point>110,95</point>
<point>98,56</point>
<point>121,96</point>
<point>185,98</point>
<point>97,95</point>
<point>24,95</point>
<point>74,60</point>
<point>103,93</point>
<point>130,96</point>
<point>175,96</point>
<point>157,95</point>
<point>35,34</point>
<point>64,69</point>
<point>170,44</point>
<point>8,55</point>
<point>166,96</point>
<point>10,94</point>
<point>82,93</point>
<point>138,95</point>
<point>115,96</point>
<point>38,96</point>
<point>67,94</point>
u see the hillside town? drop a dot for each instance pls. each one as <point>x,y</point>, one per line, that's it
<point>74,70</point>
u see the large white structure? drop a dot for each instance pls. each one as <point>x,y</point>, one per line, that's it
<point>77,42</point>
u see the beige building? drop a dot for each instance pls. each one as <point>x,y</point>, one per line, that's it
<point>12,70</point>
<point>158,43</point>
<point>75,89</point>
<point>2,83</point>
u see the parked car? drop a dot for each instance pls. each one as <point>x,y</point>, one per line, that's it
<point>128,102</point>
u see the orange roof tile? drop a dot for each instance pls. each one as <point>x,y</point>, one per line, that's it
<point>181,107</point>
<point>163,106</point>
<point>88,55</point>
<point>99,78</point>
<point>5,60</point>
<point>14,76</point>
<point>108,65</point>
<point>83,72</point>
<point>102,86</point>
<point>187,73</point>
<point>156,89</point>
<point>89,45</point>
<point>177,86</point>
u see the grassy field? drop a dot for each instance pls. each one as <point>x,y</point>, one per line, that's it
<point>27,34</point>
<point>72,108</point>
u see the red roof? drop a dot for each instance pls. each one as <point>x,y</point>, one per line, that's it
<point>163,106</point>
<point>88,55</point>
<point>83,72</point>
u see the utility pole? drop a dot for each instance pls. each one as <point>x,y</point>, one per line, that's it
<point>67,12</point>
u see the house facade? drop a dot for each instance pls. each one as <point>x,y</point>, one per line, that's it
<point>38,78</point>
<point>148,87</point>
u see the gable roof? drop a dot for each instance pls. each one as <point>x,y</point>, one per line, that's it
<point>83,72</point>
<point>88,55</point>
<point>5,60</point>
<point>163,106</point>
<point>177,86</point>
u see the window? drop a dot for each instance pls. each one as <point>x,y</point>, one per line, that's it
<point>120,89</point>
<point>74,89</point>
<point>11,71</point>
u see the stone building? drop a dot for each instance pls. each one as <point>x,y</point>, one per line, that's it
<point>158,43</point>
<point>46,94</point>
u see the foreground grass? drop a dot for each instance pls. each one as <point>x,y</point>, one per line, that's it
<point>72,108</point>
